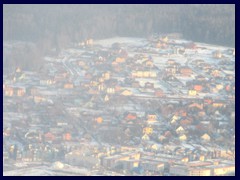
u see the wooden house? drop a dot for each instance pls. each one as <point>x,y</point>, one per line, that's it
<point>20,91</point>
<point>8,91</point>
<point>68,86</point>
<point>171,61</point>
<point>217,54</point>
<point>180,130</point>
<point>206,137</point>
<point>148,63</point>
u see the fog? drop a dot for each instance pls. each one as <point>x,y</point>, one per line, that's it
<point>119,90</point>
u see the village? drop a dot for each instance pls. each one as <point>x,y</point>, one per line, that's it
<point>160,106</point>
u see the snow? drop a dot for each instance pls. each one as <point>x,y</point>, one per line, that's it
<point>39,171</point>
<point>57,168</point>
<point>121,40</point>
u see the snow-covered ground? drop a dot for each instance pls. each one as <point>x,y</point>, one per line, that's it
<point>122,40</point>
<point>54,169</point>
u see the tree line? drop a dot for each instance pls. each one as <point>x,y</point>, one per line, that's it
<point>55,26</point>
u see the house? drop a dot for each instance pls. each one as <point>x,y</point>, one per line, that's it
<point>199,61</point>
<point>110,90</point>
<point>106,98</point>
<point>148,63</point>
<point>158,45</point>
<point>88,75</point>
<point>144,73</point>
<point>131,116</point>
<point>183,137</point>
<point>171,70</point>
<point>161,138</point>
<point>126,92</point>
<point>46,81</point>
<point>21,91</point>
<point>101,79</point>
<point>182,112</point>
<point>89,42</point>
<point>219,86</point>
<point>110,162</point>
<point>123,53</point>
<point>171,61</point>
<point>203,168</point>
<point>152,165</point>
<point>34,91</point>
<point>159,92</point>
<point>81,63</point>
<point>18,70</point>
<point>218,104</point>
<point>215,73</point>
<point>120,60</point>
<point>151,116</point>
<point>115,65</point>
<point>180,130</point>
<point>185,71</point>
<point>67,136</point>
<point>164,39</point>
<point>170,78</point>
<point>192,92</point>
<point>147,130</point>
<point>217,54</point>
<point>185,159</point>
<point>167,134</point>
<point>206,137</point>
<point>135,84</point>
<point>228,87</point>
<point>39,99</point>
<point>129,164</point>
<point>118,88</point>
<point>196,105</point>
<point>223,169</point>
<point>61,76</point>
<point>229,77</point>
<point>200,78</point>
<point>145,137</point>
<point>198,87</point>
<point>185,122</point>
<point>17,91</point>
<point>184,170</point>
<point>149,85</point>
<point>214,90</point>
<point>114,161</point>
<point>101,87</point>
<point>207,100</point>
<point>205,66</point>
<point>94,83</point>
<point>177,50</point>
<point>68,86</point>
<point>201,113</point>
<point>174,119</point>
<point>8,91</point>
<point>49,136</point>
<point>99,120</point>
<point>106,75</point>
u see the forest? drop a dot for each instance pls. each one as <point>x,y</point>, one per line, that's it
<point>56,26</point>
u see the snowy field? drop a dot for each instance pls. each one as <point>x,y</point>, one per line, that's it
<point>122,40</point>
